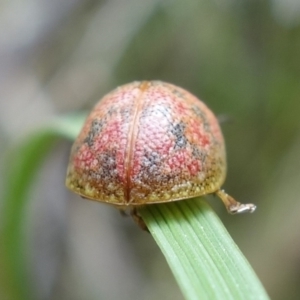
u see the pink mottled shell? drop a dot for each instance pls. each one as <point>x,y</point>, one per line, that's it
<point>147,142</point>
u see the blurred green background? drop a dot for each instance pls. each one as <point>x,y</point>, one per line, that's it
<point>242,57</point>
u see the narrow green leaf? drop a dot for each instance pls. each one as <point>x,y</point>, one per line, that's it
<point>22,166</point>
<point>205,261</point>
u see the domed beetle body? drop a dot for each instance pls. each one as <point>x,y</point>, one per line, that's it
<point>150,142</point>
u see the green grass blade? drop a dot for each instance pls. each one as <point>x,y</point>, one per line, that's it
<point>22,166</point>
<point>205,261</point>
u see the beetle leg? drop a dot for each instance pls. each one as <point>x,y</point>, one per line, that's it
<point>233,206</point>
<point>138,219</point>
<point>123,213</point>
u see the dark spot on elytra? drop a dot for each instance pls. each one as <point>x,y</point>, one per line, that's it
<point>112,110</point>
<point>180,138</point>
<point>106,173</point>
<point>107,166</point>
<point>198,153</point>
<point>151,162</point>
<point>178,93</point>
<point>95,129</point>
<point>199,113</point>
<point>125,113</point>
<point>107,170</point>
<point>151,168</point>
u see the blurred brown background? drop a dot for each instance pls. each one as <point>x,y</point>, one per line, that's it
<point>242,57</point>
